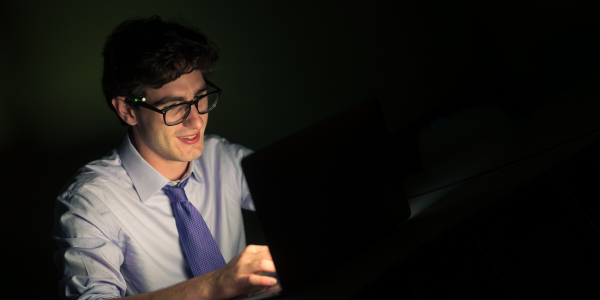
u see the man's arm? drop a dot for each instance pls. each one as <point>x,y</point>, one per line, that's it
<point>90,260</point>
<point>239,276</point>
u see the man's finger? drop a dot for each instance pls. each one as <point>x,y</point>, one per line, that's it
<point>267,253</point>
<point>254,279</point>
<point>266,265</point>
<point>258,266</point>
<point>263,252</point>
<point>250,255</point>
<point>256,248</point>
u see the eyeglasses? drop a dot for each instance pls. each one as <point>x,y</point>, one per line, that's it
<point>178,113</point>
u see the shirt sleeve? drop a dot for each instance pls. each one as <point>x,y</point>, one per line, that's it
<point>235,153</point>
<point>88,257</point>
<point>247,202</point>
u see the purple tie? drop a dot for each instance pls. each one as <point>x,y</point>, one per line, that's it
<point>200,248</point>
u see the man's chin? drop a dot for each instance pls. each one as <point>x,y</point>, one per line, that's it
<point>193,154</point>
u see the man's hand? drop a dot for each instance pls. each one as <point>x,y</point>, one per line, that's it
<point>242,274</point>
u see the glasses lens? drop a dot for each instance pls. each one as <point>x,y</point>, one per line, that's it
<point>177,114</point>
<point>208,103</point>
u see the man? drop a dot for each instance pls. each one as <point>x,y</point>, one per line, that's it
<point>159,217</point>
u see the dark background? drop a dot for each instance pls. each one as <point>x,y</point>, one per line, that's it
<point>284,65</point>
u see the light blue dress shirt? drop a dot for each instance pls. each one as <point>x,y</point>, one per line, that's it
<point>115,227</point>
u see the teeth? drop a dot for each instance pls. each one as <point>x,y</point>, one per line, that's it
<point>189,137</point>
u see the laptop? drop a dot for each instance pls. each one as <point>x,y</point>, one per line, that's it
<point>320,192</point>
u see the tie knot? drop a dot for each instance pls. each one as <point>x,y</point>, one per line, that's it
<point>182,184</point>
<point>176,192</point>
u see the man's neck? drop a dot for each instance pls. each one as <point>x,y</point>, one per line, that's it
<point>173,170</point>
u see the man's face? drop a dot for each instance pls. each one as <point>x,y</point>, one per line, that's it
<point>161,144</point>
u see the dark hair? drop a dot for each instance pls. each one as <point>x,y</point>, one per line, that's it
<point>149,53</point>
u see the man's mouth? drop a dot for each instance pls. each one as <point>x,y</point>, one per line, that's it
<point>190,139</point>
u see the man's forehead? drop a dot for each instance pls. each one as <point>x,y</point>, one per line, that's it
<point>187,85</point>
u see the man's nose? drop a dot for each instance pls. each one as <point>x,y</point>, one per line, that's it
<point>194,119</point>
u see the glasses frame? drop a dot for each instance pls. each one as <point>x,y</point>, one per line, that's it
<point>139,101</point>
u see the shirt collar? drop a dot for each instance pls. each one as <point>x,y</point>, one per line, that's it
<point>146,180</point>
<point>195,172</point>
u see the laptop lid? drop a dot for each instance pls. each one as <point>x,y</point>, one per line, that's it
<point>324,192</point>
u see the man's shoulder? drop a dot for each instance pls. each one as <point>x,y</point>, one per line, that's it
<point>219,154</point>
<point>100,175</point>
<point>216,145</point>
<point>215,142</point>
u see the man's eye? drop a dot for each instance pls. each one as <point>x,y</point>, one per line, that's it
<point>170,106</point>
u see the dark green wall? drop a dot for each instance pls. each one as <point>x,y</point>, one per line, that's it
<point>286,64</point>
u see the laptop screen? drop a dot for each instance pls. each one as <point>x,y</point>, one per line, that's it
<point>324,192</point>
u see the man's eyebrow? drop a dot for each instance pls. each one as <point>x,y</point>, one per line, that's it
<point>168,99</point>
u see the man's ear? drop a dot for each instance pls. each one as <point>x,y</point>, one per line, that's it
<point>124,110</point>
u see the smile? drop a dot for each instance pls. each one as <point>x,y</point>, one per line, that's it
<point>190,139</point>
